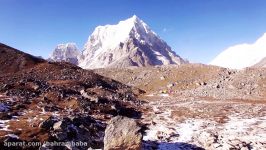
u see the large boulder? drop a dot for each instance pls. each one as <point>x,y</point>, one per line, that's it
<point>122,133</point>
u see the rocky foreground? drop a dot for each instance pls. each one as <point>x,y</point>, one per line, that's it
<point>42,102</point>
<point>178,123</point>
<point>183,107</point>
<point>196,106</point>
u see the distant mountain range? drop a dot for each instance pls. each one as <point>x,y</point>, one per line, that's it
<point>129,43</point>
<point>132,43</point>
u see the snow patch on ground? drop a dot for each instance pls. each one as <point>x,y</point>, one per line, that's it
<point>12,136</point>
<point>247,130</point>
<point>164,95</point>
<point>202,133</point>
<point>4,125</point>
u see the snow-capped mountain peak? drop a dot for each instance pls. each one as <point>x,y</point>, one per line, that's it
<point>129,43</point>
<point>111,35</point>
<point>65,52</point>
<point>242,55</point>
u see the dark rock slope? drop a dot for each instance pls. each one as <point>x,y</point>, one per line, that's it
<point>43,101</point>
<point>13,60</point>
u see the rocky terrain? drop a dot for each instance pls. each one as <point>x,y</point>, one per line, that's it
<point>188,106</point>
<point>196,106</point>
<point>43,101</point>
<point>13,60</point>
<point>194,80</point>
<point>187,123</point>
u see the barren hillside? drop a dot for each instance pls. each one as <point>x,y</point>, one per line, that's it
<point>35,95</point>
<point>196,106</point>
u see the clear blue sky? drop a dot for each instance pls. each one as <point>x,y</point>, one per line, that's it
<point>195,29</point>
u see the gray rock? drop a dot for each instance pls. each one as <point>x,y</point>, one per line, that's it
<point>122,133</point>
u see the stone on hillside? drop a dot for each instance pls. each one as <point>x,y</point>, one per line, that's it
<point>122,133</point>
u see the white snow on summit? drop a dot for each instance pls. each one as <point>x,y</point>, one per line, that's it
<point>111,35</point>
<point>66,52</point>
<point>129,43</point>
<point>242,55</point>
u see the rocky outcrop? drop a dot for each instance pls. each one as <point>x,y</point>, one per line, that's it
<point>82,130</point>
<point>122,133</point>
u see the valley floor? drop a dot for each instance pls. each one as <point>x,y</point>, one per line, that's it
<point>195,106</point>
<point>176,123</point>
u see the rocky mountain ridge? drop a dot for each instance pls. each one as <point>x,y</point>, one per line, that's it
<point>129,43</point>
